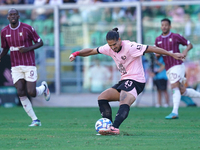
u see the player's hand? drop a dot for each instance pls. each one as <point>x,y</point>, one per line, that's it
<point>23,49</point>
<point>179,56</point>
<point>72,57</point>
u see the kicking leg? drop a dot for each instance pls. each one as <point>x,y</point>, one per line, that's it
<point>126,100</point>
<point>103,101</point>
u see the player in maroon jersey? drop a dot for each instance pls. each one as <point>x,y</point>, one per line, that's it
<point>18,37</point>
<point>175,68</point>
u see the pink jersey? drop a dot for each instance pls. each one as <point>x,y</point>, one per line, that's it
<point>21,36</point>
<point>128,60</point>
<point>171,43</point>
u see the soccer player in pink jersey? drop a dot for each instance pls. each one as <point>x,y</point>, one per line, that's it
<point>175,68</point>
<point>127,56</point>
<point>18,37</point>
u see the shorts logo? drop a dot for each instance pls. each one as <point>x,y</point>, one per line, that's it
<point>31,73</point>
<point>123,57</point>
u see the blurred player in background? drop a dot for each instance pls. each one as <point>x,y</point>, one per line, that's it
<point>160,81</point>
<point>18,37</point>
<point>175,68</point>
<point>127,56</point>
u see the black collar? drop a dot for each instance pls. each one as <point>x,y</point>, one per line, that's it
<point>119,49</point>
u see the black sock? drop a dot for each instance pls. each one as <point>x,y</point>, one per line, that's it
<point>122,114</point>
<point>105,109</point>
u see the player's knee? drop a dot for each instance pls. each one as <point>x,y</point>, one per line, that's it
<point>21,93</point>
<point>100,97</point>
<point>103,95</point>
<point>31,92</point>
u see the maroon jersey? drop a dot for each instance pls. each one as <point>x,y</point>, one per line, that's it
<point>21,36</point>
<point>171,43</point>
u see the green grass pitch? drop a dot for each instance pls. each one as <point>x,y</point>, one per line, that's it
<point>73,129</point>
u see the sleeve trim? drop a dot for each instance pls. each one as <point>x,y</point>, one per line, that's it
<point>98,50</point>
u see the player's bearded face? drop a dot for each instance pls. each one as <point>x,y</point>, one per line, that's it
<point>165,27</point>
<point>114,45</point>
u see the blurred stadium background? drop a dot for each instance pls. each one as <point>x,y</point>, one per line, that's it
<point>67,26</point>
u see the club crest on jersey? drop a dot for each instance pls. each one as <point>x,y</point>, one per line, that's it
<point>170,39</point>
<point>123,57</point>
<point>20,33</point>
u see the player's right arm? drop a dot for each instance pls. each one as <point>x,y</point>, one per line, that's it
<point>83,52</point>
<point>4,52</point>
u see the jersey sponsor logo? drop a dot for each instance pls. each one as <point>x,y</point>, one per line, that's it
<point>123,57</point>
<point>12,48</point>
<point>8,35</point>
<point>159,42</point>
<point>122,69</point>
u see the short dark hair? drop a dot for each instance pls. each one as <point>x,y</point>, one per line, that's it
<point>166,19</point>
<point>113,34</point>
<point>13,9</point>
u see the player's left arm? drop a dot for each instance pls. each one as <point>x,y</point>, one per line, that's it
<point>158,50</point>
<point>38,44</point>
<point>189,47</point>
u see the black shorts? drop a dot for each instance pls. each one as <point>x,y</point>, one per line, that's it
<point>128,85</point>
<point>161,84</point>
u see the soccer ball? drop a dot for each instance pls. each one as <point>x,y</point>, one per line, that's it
<point>103,123</point>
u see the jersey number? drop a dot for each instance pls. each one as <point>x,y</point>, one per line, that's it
<point>128,83</point>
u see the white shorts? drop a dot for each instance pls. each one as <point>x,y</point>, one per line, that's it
<point>28,73</point>
<point>176,73</point>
